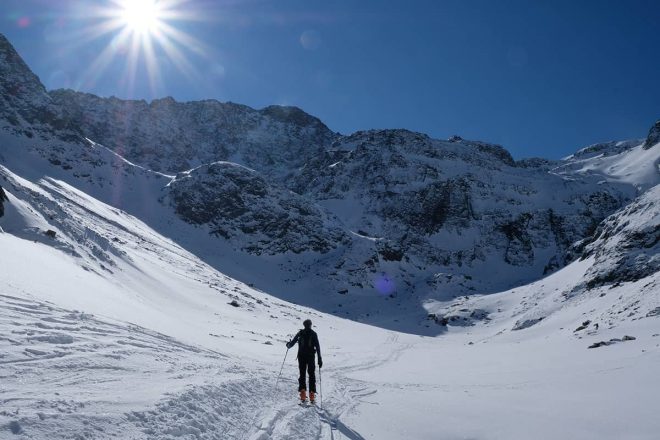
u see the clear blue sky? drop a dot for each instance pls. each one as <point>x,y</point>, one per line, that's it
<point>542,78</point>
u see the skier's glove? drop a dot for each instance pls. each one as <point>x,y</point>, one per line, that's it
<point>288,344</point>
<point>320,363</point>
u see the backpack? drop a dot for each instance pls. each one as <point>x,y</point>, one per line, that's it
<point>306,344</point>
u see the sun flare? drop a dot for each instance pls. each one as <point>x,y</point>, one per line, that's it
<point>141,16</point>
<point>144,35</point>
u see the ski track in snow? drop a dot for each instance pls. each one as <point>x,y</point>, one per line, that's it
<point>287,420</point>
<point>46,387</point>
<point>47,391</point>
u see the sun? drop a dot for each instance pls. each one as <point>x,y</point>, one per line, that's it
<point>141,16</point>
<point>144,34</point>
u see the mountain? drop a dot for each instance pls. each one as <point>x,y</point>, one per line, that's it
<point>614,281</point>
<point>172,137</point>
<point>26,108</point>
<point>140,338</point>
<point>236,203</point>
<point>147,295</point>
<point>390,216</point>
<point>460,204</point>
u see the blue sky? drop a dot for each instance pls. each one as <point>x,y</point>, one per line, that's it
<point>542,78</point>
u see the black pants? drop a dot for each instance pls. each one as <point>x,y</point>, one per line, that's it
<point>306,364</point>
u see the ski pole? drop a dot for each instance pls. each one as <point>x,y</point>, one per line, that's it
<point>281,368</point>
<point>320,388</point>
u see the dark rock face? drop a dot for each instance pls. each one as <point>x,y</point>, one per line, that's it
<point>452,203</point>
<point>612,341</point>
<point>428,209</point>
<point>3,198</point>
<point>519,248</point>
<point>654,136</point>
<point>170,136</point>
<point>239,205</point>
<point>25,106</point>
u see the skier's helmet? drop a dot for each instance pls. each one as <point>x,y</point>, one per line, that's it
<point>307,323</point>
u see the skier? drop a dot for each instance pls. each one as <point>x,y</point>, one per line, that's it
<point>308,345</point>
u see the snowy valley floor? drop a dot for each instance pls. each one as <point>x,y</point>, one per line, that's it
<point>152,348</point>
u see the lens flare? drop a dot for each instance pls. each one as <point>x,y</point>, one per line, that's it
<point>24,22</point>
<point>143,34</point>
<point>384,284</point>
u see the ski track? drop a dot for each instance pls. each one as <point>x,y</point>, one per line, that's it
<point>286,420</point>
<point>201,394</point>
<point>46,390</point>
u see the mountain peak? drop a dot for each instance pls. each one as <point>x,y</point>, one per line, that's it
<point>25,105</point>
<point>293,115</point>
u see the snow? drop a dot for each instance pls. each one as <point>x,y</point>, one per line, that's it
<point>155,350</point>
<point>125,321</point>
<point>636,166</point>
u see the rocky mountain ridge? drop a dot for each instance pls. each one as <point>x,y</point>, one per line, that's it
<point>169,136</point>
<point>388,214</point>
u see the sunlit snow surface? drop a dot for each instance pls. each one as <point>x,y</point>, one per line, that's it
<point>110,330</point>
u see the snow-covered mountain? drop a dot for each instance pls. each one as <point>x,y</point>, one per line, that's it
<point>387,215</point>
<point>169,136</point>
<point>147,295</point>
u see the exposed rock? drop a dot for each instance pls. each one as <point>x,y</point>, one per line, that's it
<point>170,136</point>
<point>25,106</point>
<point>519,250</point>
<point>584,325</point>
<point>3,198</point>
<point>526,323</point>
<point>654,136</point>
<point>654,312</point>
<point>612,341</point>
<point>239,205</point>
<point>626,245</point>
<point>600,344</point>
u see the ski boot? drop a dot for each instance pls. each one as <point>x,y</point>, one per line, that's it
<point>312,397</point>
<point>303,396</point>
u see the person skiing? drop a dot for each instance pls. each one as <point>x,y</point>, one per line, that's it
<point>308,345</point>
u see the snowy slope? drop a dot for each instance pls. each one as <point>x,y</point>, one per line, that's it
<point>121,313</point>
<point>136,339</point>
<point>383,220</point>
<point>96,310</point>
<point>617,275</point>
<point>635,163</point>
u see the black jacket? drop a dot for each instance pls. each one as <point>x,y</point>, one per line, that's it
<point>308,343</point>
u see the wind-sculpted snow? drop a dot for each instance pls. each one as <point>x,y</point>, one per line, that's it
<point>239,205</point>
